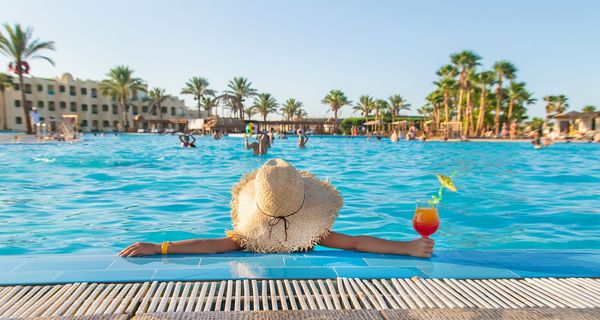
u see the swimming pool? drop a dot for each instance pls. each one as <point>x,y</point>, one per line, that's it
<point>105,193</point>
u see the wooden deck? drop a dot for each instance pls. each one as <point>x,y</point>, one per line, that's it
<point>342,298</point>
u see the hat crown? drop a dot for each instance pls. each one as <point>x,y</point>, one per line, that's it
<point>279,188</point>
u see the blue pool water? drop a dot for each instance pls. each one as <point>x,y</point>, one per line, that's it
<point>102,194</point>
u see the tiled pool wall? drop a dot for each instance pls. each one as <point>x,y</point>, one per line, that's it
<point>45,269</point>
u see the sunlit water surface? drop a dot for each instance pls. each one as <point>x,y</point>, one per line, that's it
<point>105,193</point>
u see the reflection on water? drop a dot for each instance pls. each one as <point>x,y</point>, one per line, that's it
<point>105,193</point>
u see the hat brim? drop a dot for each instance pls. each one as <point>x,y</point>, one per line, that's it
<point>251,229</point>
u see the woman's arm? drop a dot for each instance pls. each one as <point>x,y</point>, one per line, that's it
<point>179,247</point>
<point>422,247</point>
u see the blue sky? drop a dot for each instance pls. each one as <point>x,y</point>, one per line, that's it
<point>302,49</point>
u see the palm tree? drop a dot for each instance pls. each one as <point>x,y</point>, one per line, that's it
<point>20,46</point>
<point>588,108</point>
<point>249,112</point>
<point>156,97</point>
<point>300,114</point>
<point>198,88</point>
<point>504,70</point>
<point>436,99</point>
<point>517,94</point>
<point>336,99</point>
<point>464,61</point>
<point>265,104</point>
<point>239,89</point>
<point>6,81</point>
<point>290,108</point>
<point>121,85</point>
<point>484,79</point>
<point>396,105</point>
<point>365,105</point>
<point>446,84</point>
<point>208,103</point>
<point>379,106</point>
<point>561,103</point>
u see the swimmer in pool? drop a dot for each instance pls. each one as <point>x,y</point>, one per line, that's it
<point>302,140</point>
<point>260,147</point>
<point>185,141</point>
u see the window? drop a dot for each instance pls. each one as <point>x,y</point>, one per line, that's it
<point>18,120</point>
<point>172,111</point>
<point>27,88</point>
<point>84,107</point>
<point>63,105</point>
<point>72,91</point>
<point>95,124</point>
<point>94,109</point>
<point>84,123</point>
<point>163,109</point>
<point>73,107</point>
<point>51,106</point>
<point>40,88</point>
<point>51,90</point>
<point>61,89</point>
<point>104,108</point>
<point>17,103</point>
<point>17,87</point>
<point>144,109</point>
<point>40,104</point>
<point>83,91</point>
<point>134,95</point>
<point>135,110</point>
<point>94,93</point>
<point>105,123</point>
<point>29,104</point>
<point>115,109</point>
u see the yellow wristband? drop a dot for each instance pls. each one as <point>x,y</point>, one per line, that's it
<point>164,247</point>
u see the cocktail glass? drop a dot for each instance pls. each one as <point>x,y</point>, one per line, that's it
<point>426,220</point>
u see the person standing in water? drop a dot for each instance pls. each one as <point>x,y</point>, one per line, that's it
<point>260,147</point>
<point>302,139</point>
<point>185,141</point>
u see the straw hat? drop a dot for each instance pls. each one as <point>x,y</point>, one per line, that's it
<point>280,209</point>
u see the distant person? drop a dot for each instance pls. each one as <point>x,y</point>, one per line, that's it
<point>504,131</point>
<point>271,135</point>
<point>265,133</point>
<point>537,139</point>
<point>513,130</point>
<point>302,139</point>
<point>187,141</point>
<point>260,147</point>
<point>217,135</point>
<point>35,119</point>
<point>412,133</point>
<point>378,135</point>
<point>394,136</point>
<point>282,135</point>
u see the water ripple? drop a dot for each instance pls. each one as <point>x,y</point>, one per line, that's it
<point>104,193</point>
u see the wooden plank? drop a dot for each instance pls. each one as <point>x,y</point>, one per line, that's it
<point>10,309</point>
<point>145,304</point>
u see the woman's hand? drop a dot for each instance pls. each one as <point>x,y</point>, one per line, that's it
<point>140,249</point>
<point>422,247</point>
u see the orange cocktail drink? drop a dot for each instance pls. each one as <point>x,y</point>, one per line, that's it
<point>426,220</point>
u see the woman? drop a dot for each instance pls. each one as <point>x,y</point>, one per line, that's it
<point>278,209</point>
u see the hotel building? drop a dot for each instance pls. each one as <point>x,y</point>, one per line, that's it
<point>65,95</point>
